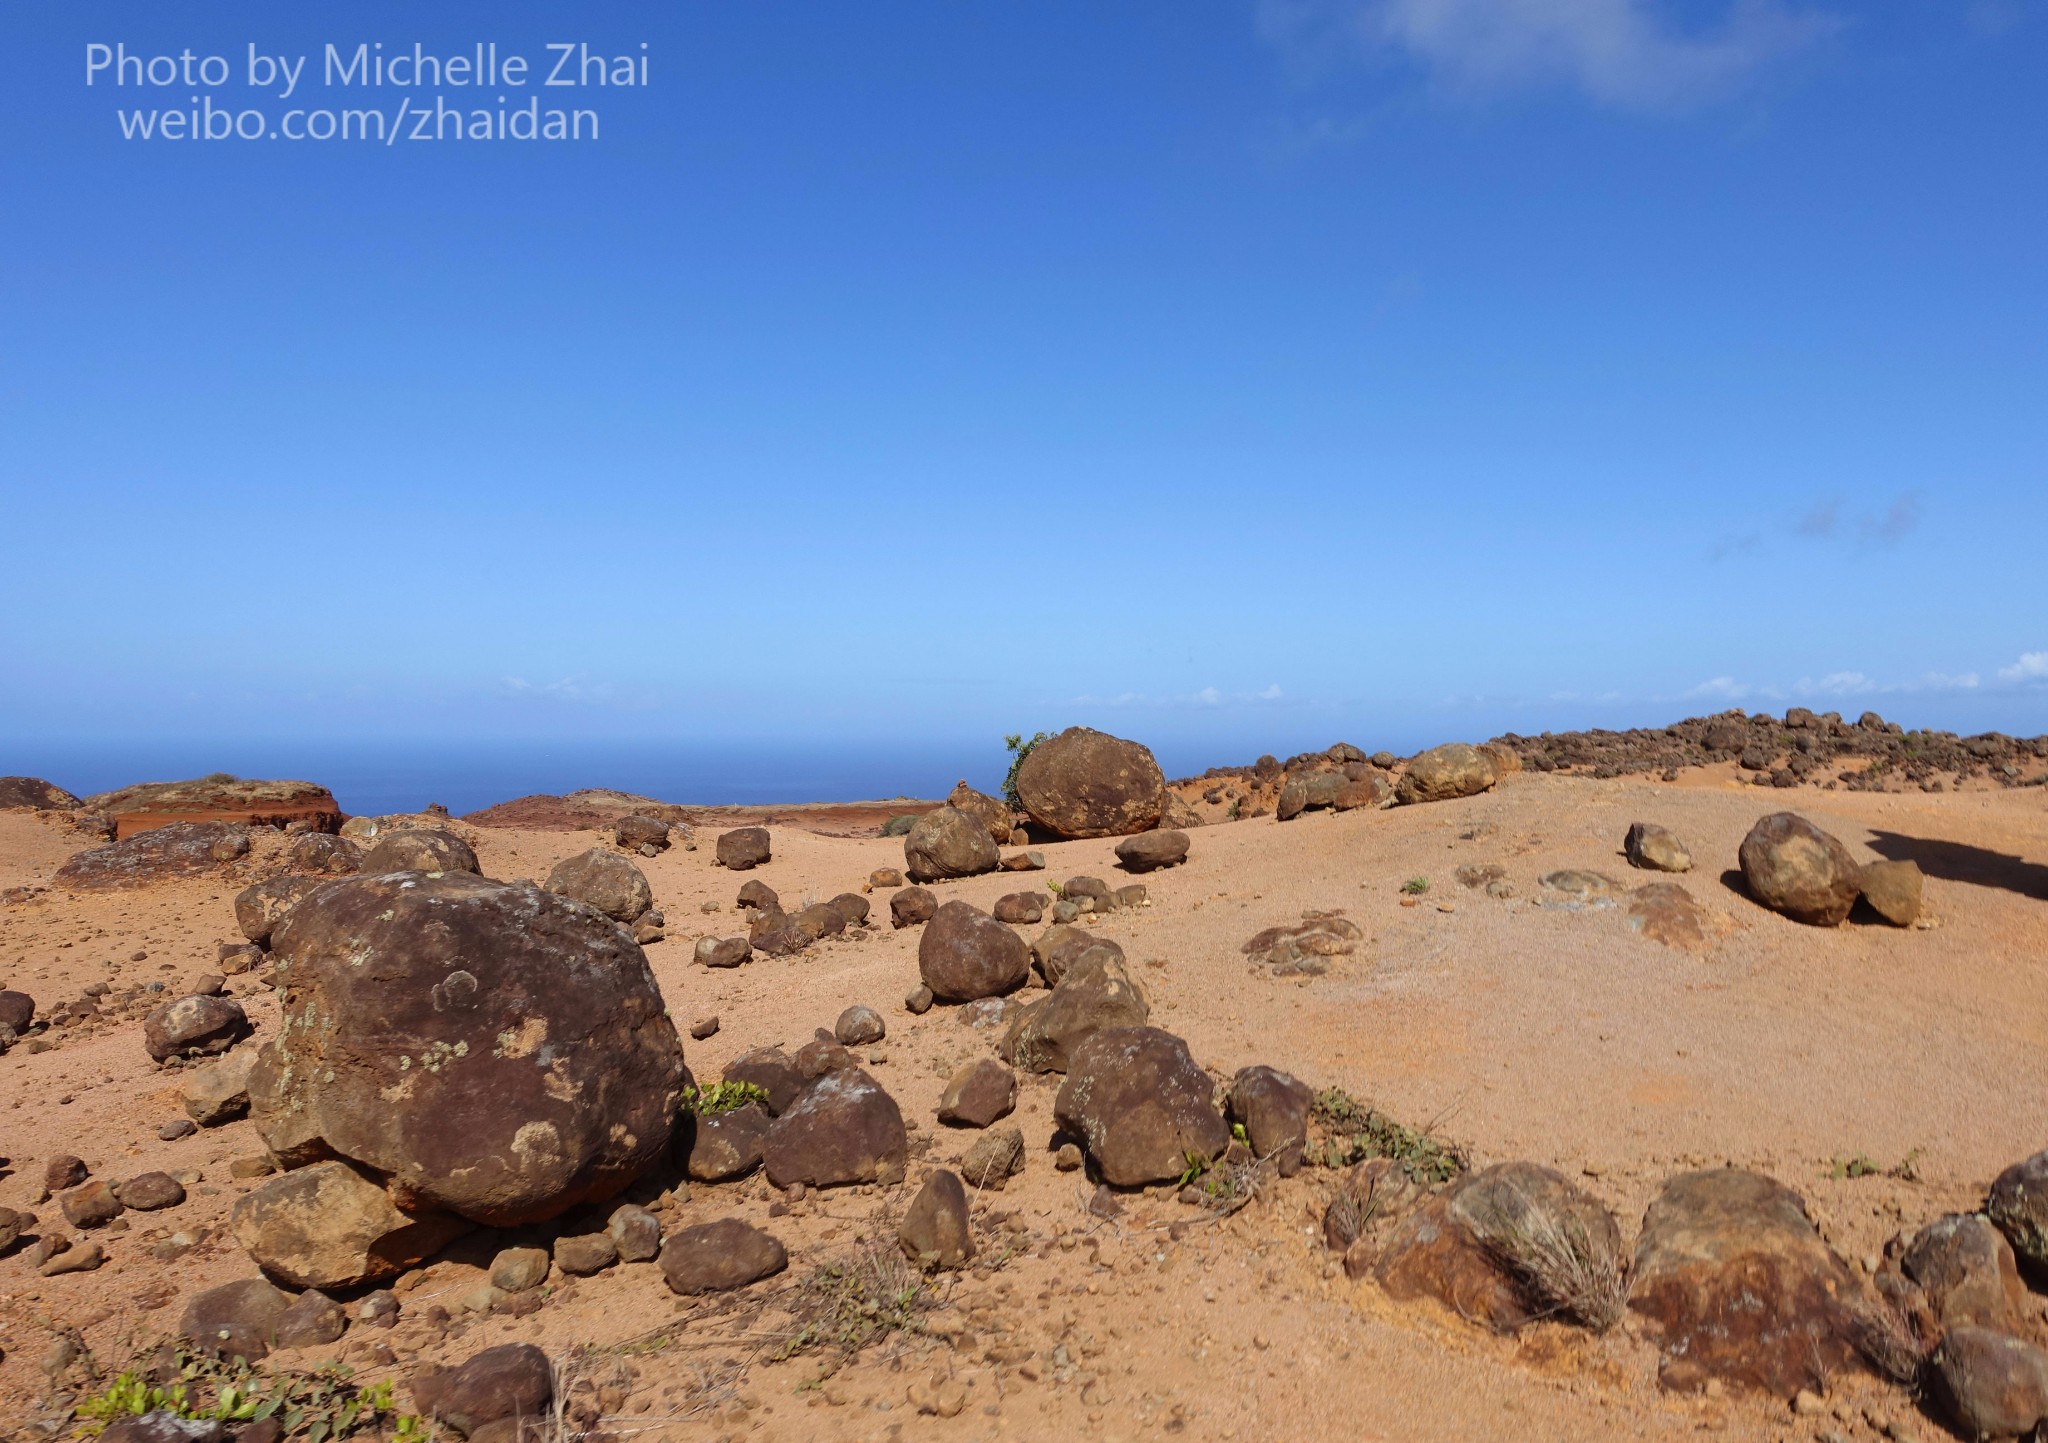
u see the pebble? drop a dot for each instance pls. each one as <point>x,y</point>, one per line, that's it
<point>704,1027</point>
<point>172,1131</point>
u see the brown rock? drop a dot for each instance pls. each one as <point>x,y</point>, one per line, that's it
<point>1666,912</point>
<point>582,1255</point>
<point>34,794</point>
<point>743,849</point>
<point>323,854</point>
<point>258,908</point>
<point>64,1171</point>
<point>513,1380</point>
<point>911,906</point>
<point>851,907</point>
<point>17,1011</point>
<point>2018,1207</point>
<point>235,1320</point>
<point>419,849</point>
<point>843,1129</point>
<point>720,1256</point>
<point>966,954</point>
<point>1893,891</point>
<point>948,842</point>
<point>1031,861</point>
<point>1446,772</point>
<point>1095,994</point>
<point>149,1192</point>
<point>1793,867</point>
<point>1149,851</point>
<point>90,1205</point>
<point>218,1093</point>
<point>979,1094</point>
<point>935,1232</point>
<point>196,1026</point>
<point>633,833</point>
<point>758,895</point>
<point>1652,848</point>
<point>1272,1106</point>
<point>1085,783</point>
<point>330,1226</point>
<point>1139,1104</point>
<point>727,1144</point>
<point>883,878</point>
<point>1732,1274</point>
<point>774,933</point>
<point>773,1071</point>
<point>991,812</point>
<point>219,799</point>
<point>180,849</point>
<point>1021,908</point>
<point>312,1321</point>
<point>859,1026</point>
<point>723,951</point>
<point>603,880</point>
<point>635,1233</point>
<point>1994,1385</point>
<point>994,1158</point>
<point>819,920</point>
<point>1966,1270</point>
<point>1306,790</point>
<point>428,1034</point>
<point>1059,947</point>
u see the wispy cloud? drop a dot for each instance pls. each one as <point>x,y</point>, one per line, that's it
<point>575,689</point>
<point>2032,666</point>
<point>1208,696</point>
<point>1834,522</point>
<point>1630,54</point>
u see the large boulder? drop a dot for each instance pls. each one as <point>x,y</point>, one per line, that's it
<point>497,1051</point>
<point>1140,1106</point>
<point>947,842</point>
<point>1738,1285</point>
<point>258,907</point>
<point>993,812</point>
<point>197,1026</point>
<point>332,1226</point>
<point>1443,773</point>
<point>1965,1269</point>
<point>178,849</point>
<point>1305,791</point>
<point>1509,1245</point>
<point>218,798</point>
<point>1793,867</point>
<point>323,853</point>
<point>604,880</point>
<point>1086,783</point>
<point>743,848</point>
<point>419,849</point>
<point>843,1129</point>
<point>2018,1205</point>
<point>636,833</point>
<point>964,955</point>
<point>34,794</point>
<point>1096,993</point>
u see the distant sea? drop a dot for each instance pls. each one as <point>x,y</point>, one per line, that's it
<point>374,778</point>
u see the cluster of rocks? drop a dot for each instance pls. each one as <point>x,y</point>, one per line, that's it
<point>1343,778</point>
<point>88,1204</point>
<point>1795,868</point>
<point>1868,754</point>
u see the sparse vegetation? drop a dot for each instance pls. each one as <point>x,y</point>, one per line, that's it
<point>858,1301</point>
<point>722,1097</point>
<point>323,1405</point>
<point>1563,1268</point>
<point>1019,748</point>
<point>1415,886</point>
<point>1358,1131</point>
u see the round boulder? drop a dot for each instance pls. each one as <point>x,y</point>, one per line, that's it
<point>1149,851</point>
<point>1140,1105</point>
<point>948,842</point>
<point>1443,773</point>
<point>1793,867</point>
<point>743,848</point>
<point>419,849</point>
<point>496,1050</point>
<point>604,880</point>
<point>965,954</point>
<point>197,1026</point>
<point>1086,783</point>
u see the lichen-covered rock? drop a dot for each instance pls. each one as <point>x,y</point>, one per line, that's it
<point>218,799</point>
<point>331,1226</point>
<point>2018,1205</point>
<point>965,954</point>
<point>498,1051</point>
<point>1793,867</point>
<point>843,1129</point>
<point>1086,783</point>
<point>179,849</point>
<point>1738,1284</point>
<point>259,907</point>
<point>1272,1107</point>
<point>1893,891</point>
<point>992,812</point>
<point>34,794</point>
<point>1140,1106</point>
<point>196,1026</point>
<point>1655,849</point>
<point>419,849</point>
<point>323,854</point>
<point>947,842</point>
<point>1447,772</point>
<point>603,880</point>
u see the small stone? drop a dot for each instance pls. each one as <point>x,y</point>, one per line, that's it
<point>918,1001</point>
<point>150,1192</point>
<point>1068,1158</point>
<point>248,1167</point>
<point>74,1260</point>
<point>91,1204</point>
<point>585,1254</point>
<point>63,1171</point>
<point>635,1233</point>
<point>858,1026</point>
<point>172,1131</point>
<point>720,1256</point>
<point>995,1158</point>
<point>704,1027</point>
<point>518,1270</point>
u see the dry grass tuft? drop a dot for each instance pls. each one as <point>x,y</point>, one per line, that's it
<point>1566,1270</point>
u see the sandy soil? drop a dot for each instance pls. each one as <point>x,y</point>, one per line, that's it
<point>1521,1028</point>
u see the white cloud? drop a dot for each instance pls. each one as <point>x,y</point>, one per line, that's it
<point>1633,54</point>
<point>2032,666</point>
<point>1727,688</point>
<point>1208,696</point>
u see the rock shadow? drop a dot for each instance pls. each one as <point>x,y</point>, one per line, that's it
<point>1960,862</point>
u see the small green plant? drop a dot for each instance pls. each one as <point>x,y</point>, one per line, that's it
<point>1415,886</point>
<point>131,1395</point>
<point>1357,1131</point>
<point>850,1303</point>
<point>719,1097</point>
<point>1236,809</point>
<point>323,1406</point>
<point>1237,1131</point>
<point>1854,1167</point>
<point>1019,748</point>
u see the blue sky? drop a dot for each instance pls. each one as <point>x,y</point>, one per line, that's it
<point>1234,376</point>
